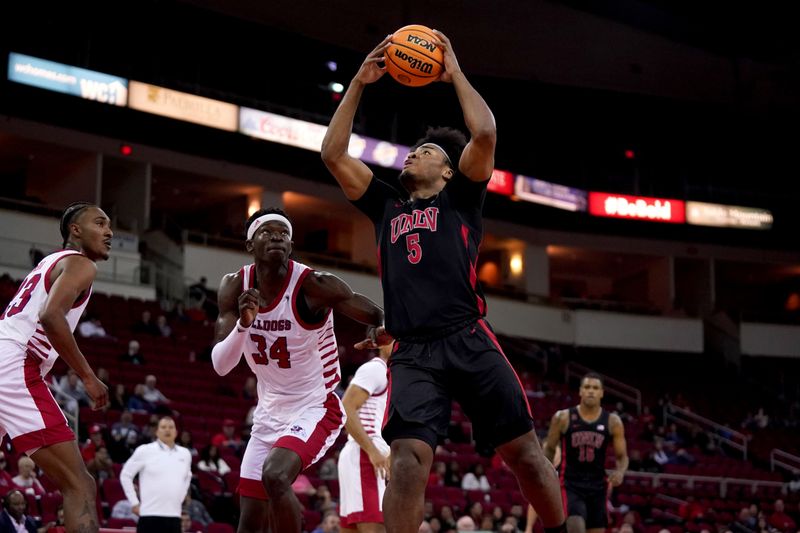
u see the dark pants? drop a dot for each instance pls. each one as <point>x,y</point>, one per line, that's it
<point>158,524</point>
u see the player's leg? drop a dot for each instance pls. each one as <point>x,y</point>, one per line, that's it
<point>254,506</point>
<point>62,462</point>
<point>372,527</point>
<point>492,396</point>
<point>280,471</point>
<point>576,511</point>
<point>418,414</point>
<point>596,512</point>
<point>404,502</point>
<point>576,524</point>
<point>360,490</point>
<point>253,515</point>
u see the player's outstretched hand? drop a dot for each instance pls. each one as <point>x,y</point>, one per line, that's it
<point>376,337</point>
<point>370,70</point>
<point>97,391</point>
<point>248,306</point>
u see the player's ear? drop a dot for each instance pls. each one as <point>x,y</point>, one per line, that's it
<point>448,173</point>
<point>248,245</point>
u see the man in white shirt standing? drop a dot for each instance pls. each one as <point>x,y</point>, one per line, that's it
<point>165,471</point>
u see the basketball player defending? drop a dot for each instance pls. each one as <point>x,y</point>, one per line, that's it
<point>585,432</point>
<point>277,313</point>
<point>364,460</point>
<point>428,242</point>
<point>36,328</point>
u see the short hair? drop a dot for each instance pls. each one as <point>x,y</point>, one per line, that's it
<point>167,417</point>
<point>262,212</point>
<point>68,215</point>
<point>9,494</point>
<point>451,140</point>
<point>592,375</point>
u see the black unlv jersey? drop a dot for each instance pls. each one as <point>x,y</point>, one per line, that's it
<point>583,451</point>
<point>427,255</point>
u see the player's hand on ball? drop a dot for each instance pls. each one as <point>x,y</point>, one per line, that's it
<point>450,62</point>
<point>370,70</point>
<point>248,306</point>
<point>615,478</point>
<point>376,337</point>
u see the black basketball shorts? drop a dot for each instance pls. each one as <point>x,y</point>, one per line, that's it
<point>468,366</point>
<point>588,503</point>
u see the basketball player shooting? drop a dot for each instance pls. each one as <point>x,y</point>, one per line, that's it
<point>585,431</point>
<point>35,329</point>
<point>277,313</point>
<point>428,240</point>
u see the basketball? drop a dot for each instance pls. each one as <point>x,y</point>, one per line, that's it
<point>412,59</point>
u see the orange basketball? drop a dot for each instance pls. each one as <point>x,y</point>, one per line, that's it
<point>412,58</point>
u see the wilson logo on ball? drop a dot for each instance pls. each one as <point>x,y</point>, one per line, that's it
<point>414,63</point>
<point>413,57</point>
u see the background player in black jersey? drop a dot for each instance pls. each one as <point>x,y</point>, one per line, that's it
<point>428,240</point>
<point>584,432</point>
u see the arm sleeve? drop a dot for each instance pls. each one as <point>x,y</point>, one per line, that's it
<point>226,354</point>
<point>373,202</point>
<point>129,471</point>
<point>371,377</point>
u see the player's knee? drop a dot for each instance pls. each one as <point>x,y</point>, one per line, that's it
<point>276,481</point>
<point>407,469</point>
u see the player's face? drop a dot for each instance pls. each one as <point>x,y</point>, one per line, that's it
<point>424,166</point>
<point>271,242</point>
<point>94,233</point>
<point>591,392</point>
<point>166,431</point>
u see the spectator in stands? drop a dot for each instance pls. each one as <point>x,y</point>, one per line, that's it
<point>26,480</point>
<point>465,523</point>
<point>511,525</point>
<point>149,431</point>
<point>93,443</point>
<point>91,327</point>
<point>124,436</point>
<point>146,326</point>
<point>187,442</point>
<point>438,473</point>
<point>196,510</point>
<point>425,527</point>
<point>475,479</point>
<point>435,525</point>
<point>250,390</point>
<point>228,437</point>
<point>118,400</point>
<point>329,469</point>
<point>659,455</point>
<point>164,329</point>
<point>448,518</point>
<point>673,436</point>
<point>780,520</point>
<point>101,467</point>
<point>330,524</point>
<point>198,292</point>
<point>71,386</point>
<point>13,518</point>
<point>210,461</point>
<point>137,403</point>
<point>486,524</point>
<point>151,393</point>
<point>302,485</point>
<point>453,476</point>
<point>744,523</point>
<point>178,313</point>
<point>323,500</point>
<point>497,517</point>
<point>36,255</point>
<point>646,416</point>
<point>6,482</point>
<point>626,528</point>
<point>134,355</point>
<point>691,510</point>
<point>761,419</point>
<point>124,510</point>
<point>475,511</point>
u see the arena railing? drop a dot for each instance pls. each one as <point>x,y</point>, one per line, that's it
<point>722,434</point>
<point>723,483</point>
<point>785,460</point>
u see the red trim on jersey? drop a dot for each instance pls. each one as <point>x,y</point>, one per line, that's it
<point>489,332</point>
<point>84,298</point>
<point>331,422</point>
<point>300,321</point>
<point>47,282</point>
<point>465,235</point>
<point>334,381</point>
<point>252,488</point>
<point>371,510</point>
<point>562,468</point>
<point>279,296</point>
<point>41,341</point>
<point>56,429</point>
<point>473,275</point>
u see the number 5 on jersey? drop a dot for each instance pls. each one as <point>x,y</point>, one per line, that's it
<point>278,351</point>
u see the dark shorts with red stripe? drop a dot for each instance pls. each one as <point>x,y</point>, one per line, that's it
<point>468,366</point>
<point>589,501</point>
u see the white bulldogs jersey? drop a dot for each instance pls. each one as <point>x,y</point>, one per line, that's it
<point>372,377</point>
<point>296,364</point>
<point>19,322</point>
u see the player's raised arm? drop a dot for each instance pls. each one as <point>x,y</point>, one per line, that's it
<point>477,160</point>
<point>230,332</point>
<point>352,174</point>
<point>73,277</point>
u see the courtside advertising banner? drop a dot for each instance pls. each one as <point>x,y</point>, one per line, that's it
<point>86,84</point>
<point>183,106</point>
<point>727,216</point>
<point>551,194</point>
